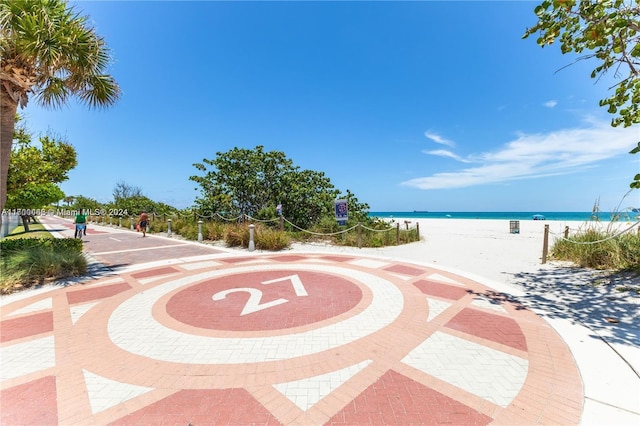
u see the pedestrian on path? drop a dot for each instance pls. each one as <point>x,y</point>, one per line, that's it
<point>143,222</point>
<point>81,224</point>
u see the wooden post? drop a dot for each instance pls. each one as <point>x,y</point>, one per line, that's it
<point>282,223</point>
<point>545,244</point>
<point>418,229</point>
<point>359,236</point>
<point>398,233</point>
<point>566,232</point>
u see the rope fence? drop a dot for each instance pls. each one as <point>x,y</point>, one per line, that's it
<point>359,227</point>
<point>132,220</point>
<point>565,237</point>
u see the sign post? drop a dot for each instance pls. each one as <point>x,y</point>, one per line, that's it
<point>342,213</point>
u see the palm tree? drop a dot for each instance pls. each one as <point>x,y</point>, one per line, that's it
<point>49,51</point>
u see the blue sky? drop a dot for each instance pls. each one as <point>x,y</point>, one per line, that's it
<point>437,106</point>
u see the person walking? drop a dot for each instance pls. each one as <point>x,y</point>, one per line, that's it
<point>143,222</point>
<point>81,224</point>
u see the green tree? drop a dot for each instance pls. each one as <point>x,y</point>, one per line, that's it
<point>254,182</point>
<point>85,203</point>
<point>33,197</point>
<point>128,200</point>
<point>242,181</point>
<point>123,190</point>
<point>308,196</point>
<point>34,172</point>
<point>609,31</point>
<point>132,206</point>
<point>47,50</point>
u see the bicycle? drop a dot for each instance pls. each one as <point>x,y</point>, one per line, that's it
<point>80,229</point>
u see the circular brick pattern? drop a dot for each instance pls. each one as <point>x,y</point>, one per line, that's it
<point>267,300</point>
<point>332,340</point>
<point>136,325</point>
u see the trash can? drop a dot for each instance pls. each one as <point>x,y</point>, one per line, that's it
<point>514,226</point>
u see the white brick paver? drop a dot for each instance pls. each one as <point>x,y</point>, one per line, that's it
<point>488,373</point>
<point>105,393</point>
<point>369,263</point>
<point>436,307</point>
<point>78,311</point>
<point>443,279</point>
<point>26,358</point>
<point>486,303</point>
<point>308,391</point>
<point>41,305</point>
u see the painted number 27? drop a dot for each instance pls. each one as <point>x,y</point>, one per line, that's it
<point>255,296</point>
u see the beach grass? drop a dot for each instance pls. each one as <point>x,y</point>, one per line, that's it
<point>600,249</point>
<point>269,236</point>
<point>26,265</point>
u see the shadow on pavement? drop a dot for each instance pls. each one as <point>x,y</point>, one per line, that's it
<point>586,297</point>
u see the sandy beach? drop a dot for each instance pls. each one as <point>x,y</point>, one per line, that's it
<point>479,246</point>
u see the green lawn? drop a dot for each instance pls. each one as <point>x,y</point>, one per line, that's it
<point>36,230</point>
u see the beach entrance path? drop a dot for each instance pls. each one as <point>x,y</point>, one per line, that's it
<point>182,333</point>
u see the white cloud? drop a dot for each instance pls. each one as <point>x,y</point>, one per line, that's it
<point>551,104</point>
<point>448,154</point>
<point>534,156</point>
<point>439,139</point>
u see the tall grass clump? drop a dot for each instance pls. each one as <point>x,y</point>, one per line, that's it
<point>601,247</point>
<point>599,250</point>
<point>271,239</point>
<point>237,235</point>
<point>32,265</point>
<point>213,231</point>
<point>377,238</point>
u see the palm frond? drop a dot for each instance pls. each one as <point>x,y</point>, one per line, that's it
<point>57,51</point>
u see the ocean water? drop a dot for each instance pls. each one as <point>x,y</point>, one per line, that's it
<point>562,216</point>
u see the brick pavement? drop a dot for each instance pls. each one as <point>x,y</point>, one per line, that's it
<point>208,336</point>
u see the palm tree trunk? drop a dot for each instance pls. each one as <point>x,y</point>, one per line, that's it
<point>8,109</point>
<point>25,222</point>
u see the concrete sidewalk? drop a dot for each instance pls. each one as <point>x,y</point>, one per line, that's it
<point>168,331</point>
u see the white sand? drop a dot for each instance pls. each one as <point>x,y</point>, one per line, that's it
<point>481,247</point>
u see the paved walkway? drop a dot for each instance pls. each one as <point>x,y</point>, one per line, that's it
<point>170,332</point>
